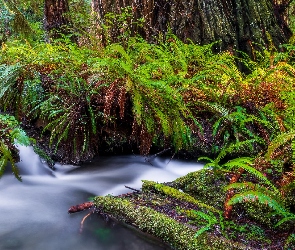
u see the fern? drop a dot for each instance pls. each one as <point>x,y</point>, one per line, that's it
<point>247,186</point>
<point>279,141</point>
<point>8,76</point>
<point>258,193</point>
<point>209,218</point>
<point>225,151</point>
<point>256,196</point>
<point>237,147</point>
<point>5,158</point>
<point>10,134</point>
<point>287,218</point>
<point>245,163</point>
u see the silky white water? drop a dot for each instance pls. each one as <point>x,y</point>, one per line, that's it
<point>33,213</point>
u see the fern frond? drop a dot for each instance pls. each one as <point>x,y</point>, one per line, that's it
<point>288,217</point>
<point>279,141</point>
<point>241,186</point>
<point>244,163</point>
<point>8,76</point>
<point>235,147</point>
<point>211,164</point>
<point>19,136</point>
<point>6,157</point>
<point>202,230</point>
<point>247,186</point>
<point>210,218</point>
<point>255,196</point>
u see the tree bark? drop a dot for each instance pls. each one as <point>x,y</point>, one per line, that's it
<point>237,23</point>
<point>55,20</point>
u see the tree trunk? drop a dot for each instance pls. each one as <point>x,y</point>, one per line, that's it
<point>55,20</point>
<point>237,23</point>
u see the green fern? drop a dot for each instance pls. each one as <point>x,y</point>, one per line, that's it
<point>210,219</point>
<point>250,192</point>
<point>10,133</point>
<point>233,148</point>
<point>279,141</point>
<point>247,186</point>
<point>8,76</point>
<point>287,218</point>
<point>245,163</point>
<point>256,196</point>
<point>5,158</point>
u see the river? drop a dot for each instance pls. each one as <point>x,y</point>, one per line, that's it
<point>34,211</point>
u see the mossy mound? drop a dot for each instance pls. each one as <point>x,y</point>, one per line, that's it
<point>205,185</point>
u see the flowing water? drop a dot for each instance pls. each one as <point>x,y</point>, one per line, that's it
<point>33,213</point>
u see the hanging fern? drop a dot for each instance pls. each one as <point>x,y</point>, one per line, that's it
<point>8,76</point>
<point>10,133</point>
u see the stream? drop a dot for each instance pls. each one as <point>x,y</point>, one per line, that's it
<point>34,211</point>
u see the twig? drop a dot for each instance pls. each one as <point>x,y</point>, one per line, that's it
<point>136,190</point>
<point>83,220</point>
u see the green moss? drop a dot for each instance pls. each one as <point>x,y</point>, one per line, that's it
<point>204,185</point>
<point>172,192</point>
<point>178,235</point>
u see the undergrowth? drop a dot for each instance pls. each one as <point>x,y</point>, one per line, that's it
<point>10,134</point>
<point>169,94</point>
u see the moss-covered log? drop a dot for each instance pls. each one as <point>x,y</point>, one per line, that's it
<point>186,215</point>
<point>170,231</point>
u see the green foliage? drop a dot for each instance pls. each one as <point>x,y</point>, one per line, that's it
<point>8,76</point>
<point>280,141</point>
<point>165,94</point>
<point>237,163</point>
<point>152,82</point>
<point>290,242</point>
<point>257,193</point>
<point>210,221</point>
<point>245,163</point>
<point>10,134</point>
<point>70,115</point>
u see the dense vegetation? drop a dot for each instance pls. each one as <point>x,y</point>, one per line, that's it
<point>99,92</point>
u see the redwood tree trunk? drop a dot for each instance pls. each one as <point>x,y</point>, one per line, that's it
<point>237,23</point>
<point>55,20</point>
